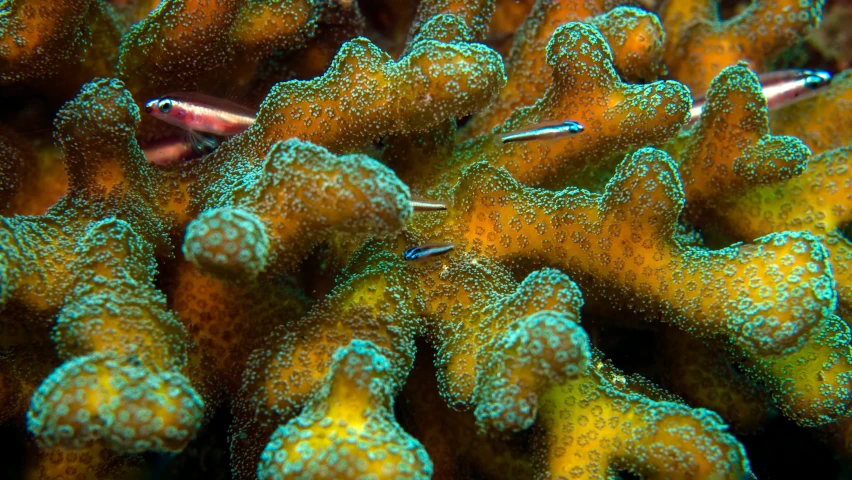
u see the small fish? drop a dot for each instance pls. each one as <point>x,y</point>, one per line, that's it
<point>178,149</point>
<point>780,88</point>
<point>779,76</point>
<point>781,92</point>
<point>201,113</point>
<point>695,111</point>
<point>423,205</point>
<point>543,131</point>
<point>429,250</point>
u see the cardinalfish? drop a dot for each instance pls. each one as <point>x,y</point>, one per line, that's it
<point>423,205</point>
<point>178,149</point>
<point>543,131</point>
<point>780,88</point>
<point>196,112</point>
<point>429,250</point>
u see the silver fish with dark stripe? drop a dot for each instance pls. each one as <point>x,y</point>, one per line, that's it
<point>429,250</point>
<point>423,205</point>
<point>543,131</point>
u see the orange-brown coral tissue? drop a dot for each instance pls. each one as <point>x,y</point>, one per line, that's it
<point>451,239</point>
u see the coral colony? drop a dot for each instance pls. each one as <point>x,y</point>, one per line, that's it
<point>391,239</point>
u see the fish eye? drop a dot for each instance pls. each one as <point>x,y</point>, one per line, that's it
<point>165,105</point>
<point>813,82</point>
<point>817,79</point>
<point>411,253</point>
<point>574,127</point>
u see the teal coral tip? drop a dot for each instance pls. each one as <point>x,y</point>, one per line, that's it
<point>229,243</point>
<point>541,349</point>
<point>117,400</point>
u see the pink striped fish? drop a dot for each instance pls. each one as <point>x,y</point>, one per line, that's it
<point>197,112</point>
<point>780,88</point>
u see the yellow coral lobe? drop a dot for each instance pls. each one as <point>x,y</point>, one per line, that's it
<point>262,287</point>
<point>122,382</point>
<point>527,68</point>
<point>347,430</point>
<point>730,148</point>
<point>284,374</point>
<point>585,89</point>
<point>175,45</point>
<point>497,352</point>
<point>131,408</point>
<point>592,429</point>
<point>812,384</point>
<point>289,367</point>
<point>111,313</point>
<point>404,96</point>
<point>751,183</point>
<point>624,240</point>
<point>700,45</point>
<point>816,200</point>
<point>806,120</point>
<point>227,242</point>
<point>263,21</point>
<point>473,14</point>
<point>99,162</point>
<point>636,39</point>
<point>505,376</point>
<point>229,319</point>
<point>533,353</point>
<point>302,193</point>
<point>38,35</point>
<point>499,342</point>
<point>107,170</point>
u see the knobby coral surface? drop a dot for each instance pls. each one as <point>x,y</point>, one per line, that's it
<point>640,298</point>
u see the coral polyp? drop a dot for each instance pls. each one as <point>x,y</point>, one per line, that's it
<point>375,277</point>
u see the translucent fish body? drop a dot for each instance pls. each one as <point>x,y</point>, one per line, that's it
<point>201,113</point>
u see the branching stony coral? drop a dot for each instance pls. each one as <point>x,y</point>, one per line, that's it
<point>700,44</point>
<point>266,283</point>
